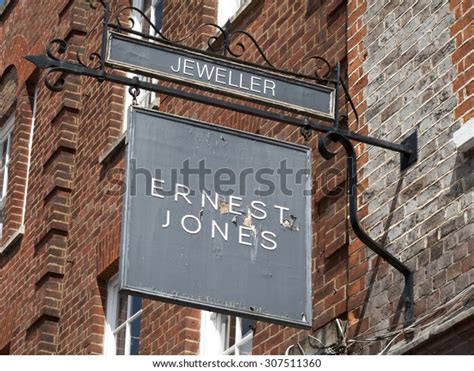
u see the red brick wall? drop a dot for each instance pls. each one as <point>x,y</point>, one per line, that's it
<point>462,31</point>
<point>51,294</point>
<point>357,80</point>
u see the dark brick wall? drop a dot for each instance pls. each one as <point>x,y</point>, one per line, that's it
<point>407,71</point>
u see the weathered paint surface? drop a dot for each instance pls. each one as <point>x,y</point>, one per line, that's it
<point>221,76</point>
<point>172,248</point>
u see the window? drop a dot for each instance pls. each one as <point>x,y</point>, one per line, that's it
<point>122,323</point>
<point>4,4</point>
<point>5,139</point>
<point>30,146</point>
<point>226,9</point>
<point>153,9</point>
<point>224,334</point>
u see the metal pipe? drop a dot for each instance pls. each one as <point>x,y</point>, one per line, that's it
<point>355,222</point>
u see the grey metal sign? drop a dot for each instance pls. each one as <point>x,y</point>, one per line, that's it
<point>220,75</point>
<point>217,219</point>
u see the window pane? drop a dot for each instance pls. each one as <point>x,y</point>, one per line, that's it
<point>247,326</point>
<point>4,152</point>
<point>136,304</point>
<point>121,310</point>
<point>158,14</point>
<point>246,348</point>
<point>135,336</point>
<point>231,332</point>
<point>226,10</point>
<point>146,5</point>
<point>145,26</point>
<point>120,341</point>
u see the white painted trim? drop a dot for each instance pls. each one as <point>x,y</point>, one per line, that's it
<point>126,350</point>
<point>215,334</point>
<point>463,138</point>
<point>30,146</point>
<point>235,349</point>
<point>5,134</point>
<point>14,238</point>
<point>229,10</point>
<point>210,338</point>
<point>111,319</point>
<point>109,347</point>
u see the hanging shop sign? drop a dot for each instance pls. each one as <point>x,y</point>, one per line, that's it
<point>217,219</point>
<point>238,242</point>
<point>220,75</point>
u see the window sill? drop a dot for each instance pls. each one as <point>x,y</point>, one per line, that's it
<point>464,137</point>
<point>431,333</point>
<point>13,240</point>
<point>107,156</point>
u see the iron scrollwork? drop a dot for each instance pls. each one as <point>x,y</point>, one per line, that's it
<point>326,64</point>
<point>55,49</point>
<point>54,62</point>
<point>221,42</point>
<point>94,56</point>
<point>94,4</point>
<point>224,41</point>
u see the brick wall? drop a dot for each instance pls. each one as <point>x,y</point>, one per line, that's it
<point>411,65</point>
<point>462,32</point>
<point>50,287</point>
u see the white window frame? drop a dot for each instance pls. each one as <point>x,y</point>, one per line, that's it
<point>30,146</point>
<point>146,99</point>
<point>227,9</point>
<point>5,135</point>
<point>215,335</point>
<point>110,346</point>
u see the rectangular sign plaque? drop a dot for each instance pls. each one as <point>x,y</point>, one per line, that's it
<point>217,219</point>
<point>220,75</point>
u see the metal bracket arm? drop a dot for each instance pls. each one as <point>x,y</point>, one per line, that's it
<point>407,149</point>
<point>355,222</point>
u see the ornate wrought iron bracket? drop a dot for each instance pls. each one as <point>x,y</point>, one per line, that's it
<point>222,44</point>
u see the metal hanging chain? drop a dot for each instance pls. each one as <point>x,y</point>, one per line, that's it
<point>306,130</point>
<point>134,91</point>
